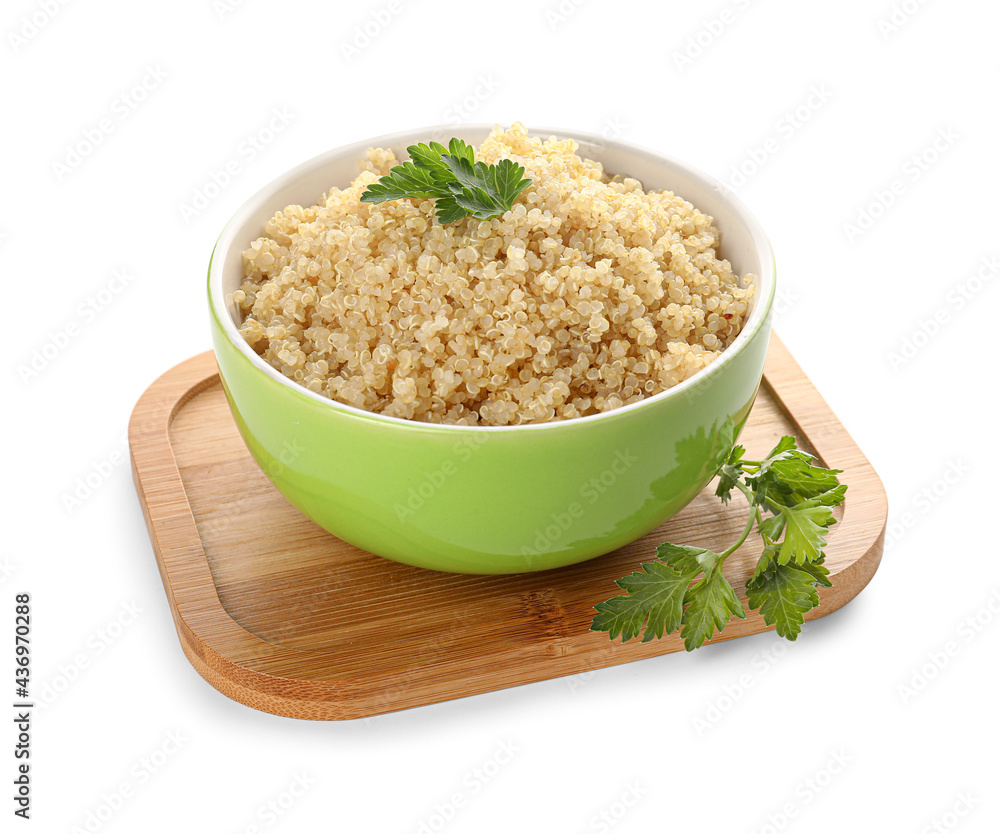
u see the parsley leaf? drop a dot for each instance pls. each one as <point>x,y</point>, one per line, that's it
<point>430,156</point>
<point>448,211</point>
<point>783,594</point>
<point>791,500</point>
<point>485,191</point>
<point>655,595</point>
<point>687,559</point>
<point>804,525</point>
<point>406,180</point>
<point>796,478</point>
<point>730,473</point>
<point>661,596</point>
<point>711,604</point>
<point>790,477</point>
<point>452,176</point>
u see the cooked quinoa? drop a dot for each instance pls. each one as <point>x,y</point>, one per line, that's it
<point>587,295</point>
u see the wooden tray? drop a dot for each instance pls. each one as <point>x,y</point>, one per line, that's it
<point>279,615</point>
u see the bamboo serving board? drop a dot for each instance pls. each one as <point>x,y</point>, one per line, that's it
<point>277,614</point>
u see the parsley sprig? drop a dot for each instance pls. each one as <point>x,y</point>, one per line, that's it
<point>791,503</point>
<point>451,176</point>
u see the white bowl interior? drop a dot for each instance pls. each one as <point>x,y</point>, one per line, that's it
<point>743,241</point>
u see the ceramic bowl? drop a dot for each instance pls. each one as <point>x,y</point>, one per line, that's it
<point>491,500</point>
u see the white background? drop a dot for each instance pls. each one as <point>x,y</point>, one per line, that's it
<point>844,99</point>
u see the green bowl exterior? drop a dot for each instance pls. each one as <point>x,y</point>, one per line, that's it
<point>492,501</point>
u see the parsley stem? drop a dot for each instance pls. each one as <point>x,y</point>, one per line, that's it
<point>749,525</point>
<point>763,535</point>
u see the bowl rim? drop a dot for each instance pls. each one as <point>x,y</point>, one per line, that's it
<point>765,284</point>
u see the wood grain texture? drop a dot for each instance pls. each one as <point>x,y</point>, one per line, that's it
<point>280,615</point>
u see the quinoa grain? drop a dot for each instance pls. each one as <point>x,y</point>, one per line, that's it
<point>589,294</point>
